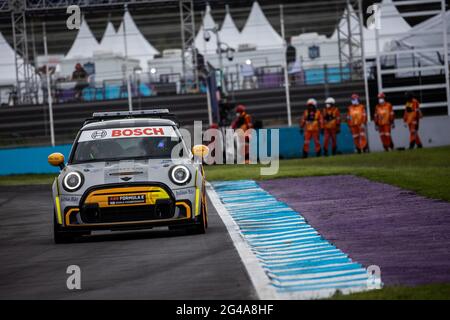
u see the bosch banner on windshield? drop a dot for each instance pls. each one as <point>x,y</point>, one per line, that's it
<point>114,133</point>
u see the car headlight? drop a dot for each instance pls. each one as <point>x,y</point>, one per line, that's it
<point>73,181</point>
<point>180,174</point>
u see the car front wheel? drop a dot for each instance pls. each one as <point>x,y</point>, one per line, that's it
<point>60,236</point>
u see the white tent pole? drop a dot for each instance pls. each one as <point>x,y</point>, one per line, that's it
<point>130,98</point>
<point>363,57</point>
<point>446,63</point>
<point>286,77</point>
<point>49,91</point>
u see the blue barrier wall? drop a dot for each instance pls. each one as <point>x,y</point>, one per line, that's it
<point>34,159</point>
<point>291,142</point>
<point>30,160</point>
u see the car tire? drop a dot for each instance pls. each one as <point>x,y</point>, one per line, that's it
<point>60,236</point>
<point>202,224</point>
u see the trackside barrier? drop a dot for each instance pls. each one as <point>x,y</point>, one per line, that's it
<point>30,160</point>
<point>291,142</point>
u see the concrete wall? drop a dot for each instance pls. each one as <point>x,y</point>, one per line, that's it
<point>433,131</point>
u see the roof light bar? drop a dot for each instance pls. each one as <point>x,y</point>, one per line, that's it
<point>130,113</point>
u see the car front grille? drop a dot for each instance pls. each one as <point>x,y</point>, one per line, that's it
<point>93,214</point>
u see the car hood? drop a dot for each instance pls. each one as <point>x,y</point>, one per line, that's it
<point>128,171</point>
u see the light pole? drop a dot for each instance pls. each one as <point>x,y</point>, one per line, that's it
<point>230,56</point>
<point>229,50</point>
<point>129,94</point>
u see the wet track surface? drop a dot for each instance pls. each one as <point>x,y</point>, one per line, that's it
<point>155,264</point>
<point>408,236</point>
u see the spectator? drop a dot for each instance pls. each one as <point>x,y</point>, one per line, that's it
<point>80,76</point>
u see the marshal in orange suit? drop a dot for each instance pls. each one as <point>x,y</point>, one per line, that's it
<point>357,120</point>
<point>331,125</point>
<point>412,118</point>
<point>384,121</point>
<point>311,123</point>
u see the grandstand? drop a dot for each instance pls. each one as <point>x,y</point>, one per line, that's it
<point>146,53</point>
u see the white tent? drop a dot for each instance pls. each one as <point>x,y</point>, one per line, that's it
<point>200,43</point>
<point>109,39</point>
<point>259,32</point>
<point>84,44</point>
<point>391,23</point>
<point>229,33</point>
<point>137,46</point>
<point>8,69</point>
<point>426,35</point>
<point>7,63</point>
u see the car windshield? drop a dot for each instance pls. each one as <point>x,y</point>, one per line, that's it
<point>126,144</point>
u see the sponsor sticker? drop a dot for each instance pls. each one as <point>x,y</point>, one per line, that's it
<point>131,199</point>
<point>132,132</point>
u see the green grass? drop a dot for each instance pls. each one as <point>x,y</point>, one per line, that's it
<point>425,171</point>
<point>26,179</point>
<point>424,292</point>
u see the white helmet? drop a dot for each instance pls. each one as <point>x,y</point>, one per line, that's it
<point>330,101</point>
<point>311,101</point>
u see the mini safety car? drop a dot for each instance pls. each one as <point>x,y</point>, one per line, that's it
<point>129,170</point>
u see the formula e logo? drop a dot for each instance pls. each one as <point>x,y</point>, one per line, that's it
<point>99,134</point>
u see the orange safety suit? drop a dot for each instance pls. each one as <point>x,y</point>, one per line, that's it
<point>411,117</point>
<point>384,119</point>
<point>311,123</point>
<point>357,120</point>
<point>244,122</point>
<point>331,127</point>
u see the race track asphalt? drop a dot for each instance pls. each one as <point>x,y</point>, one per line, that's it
<point>155,264</point>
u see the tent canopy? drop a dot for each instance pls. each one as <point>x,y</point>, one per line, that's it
<point>201,44</point>
<point>109,38</point>
<point>391,23</point>
<point>428,34</point>
<point>137,46</point>
<point>7,62</point>
<point>258,31</point>
<point>434,29</point>
<point>84,44</point>
<point>229,33</point>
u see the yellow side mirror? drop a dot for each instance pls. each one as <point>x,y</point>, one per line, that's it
<point>56,159</point>
<point>200,150</point>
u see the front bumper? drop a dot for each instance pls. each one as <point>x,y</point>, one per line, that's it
<point>123,207</point>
